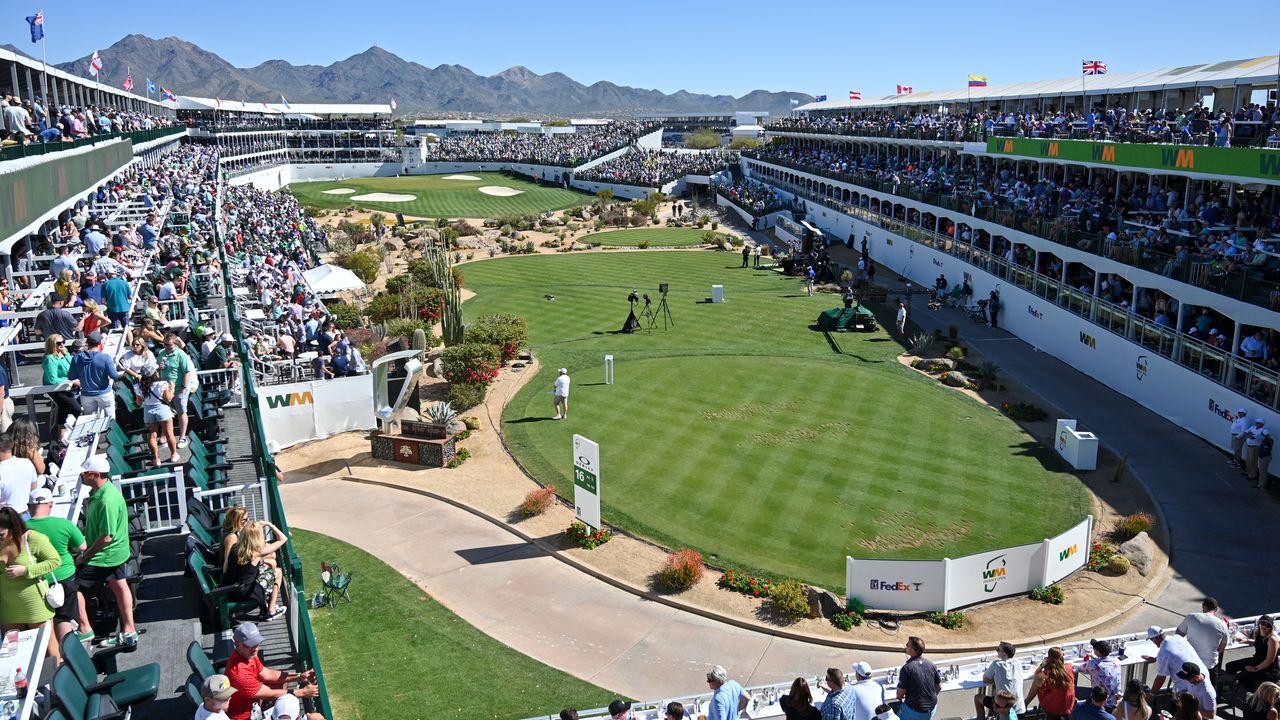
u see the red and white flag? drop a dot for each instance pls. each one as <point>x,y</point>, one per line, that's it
<point>128,80</point>
<point>855,95</point>
<point>95,64</point>
<point>904,89</point>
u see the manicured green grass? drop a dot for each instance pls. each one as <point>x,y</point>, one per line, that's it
<point>657,237</point>
<point>745,434</point>
<point>437,197</point>
<point>396,653</point>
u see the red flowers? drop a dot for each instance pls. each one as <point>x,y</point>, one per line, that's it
<point>586,538</point>
<point>746,584</point>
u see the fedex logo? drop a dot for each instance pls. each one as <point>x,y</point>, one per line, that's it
<point>895,586</point>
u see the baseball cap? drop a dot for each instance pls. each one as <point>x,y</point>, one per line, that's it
<point>617,707</point>
<point>113,270</point>
<point>287,707</point>
<point>1242,411</point>
<point>226,337</point>
<point>1154,631</point>
<point>1189,670</point>
<point>1260,421</point>
<point>862,669</point>
<point>97,463</point>
<point>94,338</point>
<point>218,687</point>
<point>210,331</point>
<point>564,371</point>
<point>247,634</point>
<point>41,495</point>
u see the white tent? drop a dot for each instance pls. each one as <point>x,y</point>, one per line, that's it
<point>331,279</point>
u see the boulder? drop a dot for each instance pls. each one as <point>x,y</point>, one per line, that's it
<point>933,365</point>
<point>821,602</point>
<point>392,245</point>
<point>433,234</point>
<point>956,379</point>
<point>1141,552</point>
<point>437,368</point>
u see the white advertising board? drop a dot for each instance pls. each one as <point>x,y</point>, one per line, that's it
<point>896,584</point>
<point>586,481</point>
<point>298,412</point>
<point>1068,552</point>
<point>989,575</point>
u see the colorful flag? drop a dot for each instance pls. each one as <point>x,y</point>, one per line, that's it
<point>820,98</point>
<point>151,87</point>
<point>264,107</point>
<point>855,95</point>
<point>128,80</point>
<point>217,103</point>
<point>393,104</point>
<point>794,102</point>
<point>95,64</point>
<point>165,94</point>
<point>977,81</point>
<point>1093,67</point>
<point>284,102</point>
<point>904,89</point>
<point>37,26</point>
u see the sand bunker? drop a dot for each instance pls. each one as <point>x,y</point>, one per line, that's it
<point>384,197</point>
<point>338,191</point>
<point>500,191</point>
<point>459,177</point>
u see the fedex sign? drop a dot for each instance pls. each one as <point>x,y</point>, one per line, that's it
<point>899,586</point>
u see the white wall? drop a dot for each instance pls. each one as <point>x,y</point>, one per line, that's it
<point>274,177</point>
<point>630,192</point>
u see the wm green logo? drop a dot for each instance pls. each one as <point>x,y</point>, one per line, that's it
<point>289,400</point>
<point>1068,552</point>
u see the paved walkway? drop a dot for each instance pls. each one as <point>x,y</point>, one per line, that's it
<point>1218,522</point>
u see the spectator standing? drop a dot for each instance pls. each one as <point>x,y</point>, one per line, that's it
<point>177,370</point>
<point>1054,685</point>
<point>6,402</point>
<point>216,692</point>
<point>1265,448</point>
<point>116,293</point>
<point>1198,688</point>
<point>56,366</point>
<point>1207,632</point>
<point>1252,441</point>
<point>1004,673</point>
<point>106,529</point>
<point>900,320</point>
<point>67,540</point>
<point>1174,652</point>
<point>560,392</point>
<point>1239,425</point>
<point>798,703</point>
<point>56,319</point>
<point>918,683</point>
<point>255,682</point>
<point>1103,671</point>
<point>840,703</point>
<point>867,694</point>
<point>993,308</point>
<point>746,254</point>
<point>729,699</point>
<point>1262,666</point>
<point>18,477</point>
<point>809,276</point>
<point>96,373</point>
<point>27,557</point>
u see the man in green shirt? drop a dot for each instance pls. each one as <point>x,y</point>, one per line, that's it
<point>67,540</point>
<point>106,526</point>
<point>177,370</point>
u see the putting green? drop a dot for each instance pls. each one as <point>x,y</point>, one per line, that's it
<point>436,196</point>
<point>745,434</point>
<point>656,237</point>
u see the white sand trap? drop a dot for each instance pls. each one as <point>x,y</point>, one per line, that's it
<point>339,191</point>
<point>384,197</point>
<point>459,177</point>
<point>500,191</point>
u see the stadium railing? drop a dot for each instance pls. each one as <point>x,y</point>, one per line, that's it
<point>15,152</point>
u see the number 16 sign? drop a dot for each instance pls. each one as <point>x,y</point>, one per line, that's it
<point>586,481</point>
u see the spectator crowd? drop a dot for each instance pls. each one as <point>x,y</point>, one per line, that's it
<point>655,168</point>
<point>557,149</point>
<point>753,196</point>
<point>26,121</point>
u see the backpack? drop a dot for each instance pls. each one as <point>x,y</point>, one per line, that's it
<point>1264,447</point>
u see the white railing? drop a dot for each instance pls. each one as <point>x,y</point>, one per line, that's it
<point>228,379</point>
<point>165,499</point>
<point>250,496</point>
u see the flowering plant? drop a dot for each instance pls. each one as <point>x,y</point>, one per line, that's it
<point>460,457</point>
<point>846,619</point>
<point>1100,555</point>
<point>746,584</point>
<point>953,620</point>
<point>585,537</point>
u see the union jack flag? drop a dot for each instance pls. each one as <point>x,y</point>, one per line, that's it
<point>904,89</point>
<point>1094,67</point>
<point>855,95</point>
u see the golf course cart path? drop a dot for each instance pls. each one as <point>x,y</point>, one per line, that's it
<point>544,608</point>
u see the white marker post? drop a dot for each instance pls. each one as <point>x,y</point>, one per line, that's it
<point>586,481</point>
<point>608,369</point>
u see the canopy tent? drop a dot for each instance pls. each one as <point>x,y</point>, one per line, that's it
<point>331,279</point>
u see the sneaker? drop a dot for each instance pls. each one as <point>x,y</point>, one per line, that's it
<point>128,640</point>
<point>276,614</point>
<point>83,636</point>
<point>183,443</point>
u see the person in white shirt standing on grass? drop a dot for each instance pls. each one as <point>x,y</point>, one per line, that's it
<point>1207,632</point>
<point>901,319</point>
<point>1238,427</point>
<point>561,393</point>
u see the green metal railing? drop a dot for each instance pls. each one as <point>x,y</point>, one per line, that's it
<point>15,152</point>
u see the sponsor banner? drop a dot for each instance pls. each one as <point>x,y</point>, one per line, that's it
<point>586,481</point>
<point>1068,552</point>
<point>989,575</point>
<point>1256,163</point>
<point>299,412</point>
<point>896,584</point>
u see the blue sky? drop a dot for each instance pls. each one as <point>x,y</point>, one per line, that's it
<point>713,47</point>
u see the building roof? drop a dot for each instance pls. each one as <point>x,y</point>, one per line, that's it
<point>84,82</point>
<point>1257,72</point>
<point>187,102</point>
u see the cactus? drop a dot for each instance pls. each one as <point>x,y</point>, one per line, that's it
<point>441,413</point>
<point>451,328</point>
<point>379,330</point>
<point>420,339</point>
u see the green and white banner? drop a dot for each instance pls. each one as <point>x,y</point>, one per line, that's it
<point>586,481</point>
<point>1251,163</point>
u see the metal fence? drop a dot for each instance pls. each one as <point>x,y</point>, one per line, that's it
<point>162,499</point>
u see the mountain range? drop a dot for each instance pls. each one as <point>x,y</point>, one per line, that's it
<point>377,76</point>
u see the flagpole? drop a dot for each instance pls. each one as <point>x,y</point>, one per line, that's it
<point>44,79</point>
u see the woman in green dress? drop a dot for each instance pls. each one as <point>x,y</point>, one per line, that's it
<point>28,558</point>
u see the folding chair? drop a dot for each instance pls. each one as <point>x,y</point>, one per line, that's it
<point>335,583</point>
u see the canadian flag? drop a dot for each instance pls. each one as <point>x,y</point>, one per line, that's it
<point>855,95</point>
<point>904,89</point>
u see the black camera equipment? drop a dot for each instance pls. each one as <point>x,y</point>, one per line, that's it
<point>663,309</point>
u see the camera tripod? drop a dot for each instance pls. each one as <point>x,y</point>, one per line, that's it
<point>662,310</point>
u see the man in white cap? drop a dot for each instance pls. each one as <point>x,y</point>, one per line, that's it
<point>1239,424</point>
<point>868,694</point>
<point>561,392</point>
<point>290,708</point>
<point>216,691</point>
<point>106,529</point>
<point>256,684</point>
<point>1174,652</point>
<point>1252,439</point>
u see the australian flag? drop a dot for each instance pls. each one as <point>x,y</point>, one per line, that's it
<point>820,98</point>
<point>37,26</point>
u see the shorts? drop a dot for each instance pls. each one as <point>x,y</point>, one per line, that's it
<point>179,403</point>
<point>905,712</point>
<point>157,414</point>
<point>70,608</point>
<point>91,576</point>
<point>91,404</point>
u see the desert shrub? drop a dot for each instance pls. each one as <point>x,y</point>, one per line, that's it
<point>1052,594</point>
<point>471,362</point>
<point>464,228</point>
<point>1024,412</point>
<point>347,316</point>
<point>1118,565</point>
<point>953,620</point>
<point>366,264</point>
<point>746,583</point>
<point>682,570</point>
<point>956,353</point>
<point>465,395</point>
<point>383,307</point>
<point>988,371</point>
<point>1129,526</point>
<point>790,599</point>
<point>735,241</point>
<point>401,327</point>
<point>399,283</point>
<point>643,244</point>
<point>538,501</point>
<point>921,342</point>
<point>504,331</point>
<point>472,423</point>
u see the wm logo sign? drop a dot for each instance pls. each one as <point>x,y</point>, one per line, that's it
<point>289,400</point>
<point>1269,164</point>
<point>993,573</point>
<point>1179,158</point>
<point>1068,552</point>
<point>1087,339</point>
<point>1008,146</point>
<point>1104,153</point>
<point>1049,149</point>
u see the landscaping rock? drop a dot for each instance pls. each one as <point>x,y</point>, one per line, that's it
<point>934,365</point>
<point>433,235</point>
<point>956,379</point>
<point>1141,551</point>
<point>392,245</point>
<point>822,603</point>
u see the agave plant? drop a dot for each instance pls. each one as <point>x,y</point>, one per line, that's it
<point>921,342</point>
<point>442,413</point>
<point>988,371</point>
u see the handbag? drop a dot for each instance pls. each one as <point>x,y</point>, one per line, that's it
<point>54,595</point>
